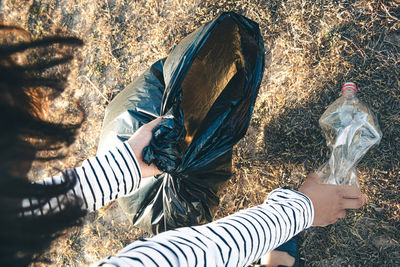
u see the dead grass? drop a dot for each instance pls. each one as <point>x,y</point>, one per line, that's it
<point>312,48</point>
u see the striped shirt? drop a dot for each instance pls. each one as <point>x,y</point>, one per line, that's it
<point>100,179</point>
<point>236,240</point>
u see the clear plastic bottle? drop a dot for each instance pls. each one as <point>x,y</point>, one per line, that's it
<point>350,129</point>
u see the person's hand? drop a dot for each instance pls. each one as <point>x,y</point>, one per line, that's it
<point>140,140</point>
<point>331,201</point>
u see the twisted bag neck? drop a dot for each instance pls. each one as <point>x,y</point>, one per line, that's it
<point>165,149</point>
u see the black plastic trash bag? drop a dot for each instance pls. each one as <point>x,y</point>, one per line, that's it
<point>205,90</point>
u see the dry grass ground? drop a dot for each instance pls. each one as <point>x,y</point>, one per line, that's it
<point>312,48</point>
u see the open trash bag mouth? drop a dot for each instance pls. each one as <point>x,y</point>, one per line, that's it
<point>205,91</point>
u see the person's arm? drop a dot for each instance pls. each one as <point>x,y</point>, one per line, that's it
<point>104,178</point>
<point>237,240</point>
<point>99,180</point>
<point>242,238</point>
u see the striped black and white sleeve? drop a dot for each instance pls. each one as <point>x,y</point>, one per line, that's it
<point>236,240</point>
<point>100,180</point>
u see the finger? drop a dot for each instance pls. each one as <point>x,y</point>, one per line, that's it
<point>353,203</point>
<point>350,191</point>
<point>153,123</point>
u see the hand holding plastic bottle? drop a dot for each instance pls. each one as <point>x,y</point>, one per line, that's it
<point>330,202</point>
<point>350,129</point>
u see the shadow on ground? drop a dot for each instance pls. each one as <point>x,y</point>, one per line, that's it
<point>294,136</point>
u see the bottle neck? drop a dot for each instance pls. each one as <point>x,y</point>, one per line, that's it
<point>349,90</point>
<point>349,93</point>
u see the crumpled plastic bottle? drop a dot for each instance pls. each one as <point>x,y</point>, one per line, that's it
<point>350,129</point>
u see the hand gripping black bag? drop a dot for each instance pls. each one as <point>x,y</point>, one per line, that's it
<point>205,90</point>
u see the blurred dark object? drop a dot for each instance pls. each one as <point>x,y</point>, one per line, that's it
<point>205,90</point>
